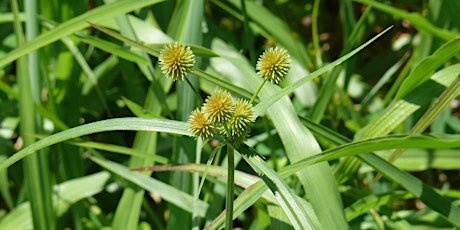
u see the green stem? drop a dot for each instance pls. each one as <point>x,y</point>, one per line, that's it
<point>36,174</point>
<point>257,92</point>
<point>194,90</point>
<point>315,36</point>
<point>230,187</point>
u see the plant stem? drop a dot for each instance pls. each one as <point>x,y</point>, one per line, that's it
<point>257,92</point>
<point>315,36</point>
<point>230,185</point>
<point>194,90</point>
<point>36,174</point>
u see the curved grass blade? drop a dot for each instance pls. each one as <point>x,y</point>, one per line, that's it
<point>112,48</point>
<point>377,144</point>
<point>125,124</point>
<point>412,184</point>
<point>166,191</point>
<point>265,104</point>
<point>426,68</point>
<point>299,219</point>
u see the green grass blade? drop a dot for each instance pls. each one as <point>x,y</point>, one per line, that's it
<point>265,104</point>
<point>427,67</point>
<point>376,144</point>
<point>315,34</point>
<point>412,184</point>
<point>126,124</point>
<point>36,171</point>
<point>152,50</point>
<point>113,49</point>
<point>166,191</point>
<point>426,159</point>
<point>299,219</point>
<point>391,118</point>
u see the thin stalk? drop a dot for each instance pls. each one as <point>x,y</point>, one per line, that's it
<point>37,178</point>
<point>197,184</point>
<point>203,179</point>
<point>194,90</point>
<point>314,31</point>
<point>257,92</point>
<point>230,187</point>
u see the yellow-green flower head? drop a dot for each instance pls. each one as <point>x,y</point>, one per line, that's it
<point>273,64</point>
<point>176,60</point>
<point>219,107</point>
<point>243,116</point>
<point>199,125</point>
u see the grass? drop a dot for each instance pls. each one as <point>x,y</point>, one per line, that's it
<point>362,134</point>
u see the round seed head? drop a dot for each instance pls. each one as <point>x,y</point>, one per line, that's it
<point>219,107</point>
<point>242,117</point>
<point>199,125</point>
<point>273,64</point>
<point>176,60</point>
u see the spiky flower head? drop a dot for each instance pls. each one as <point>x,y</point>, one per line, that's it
<point>273,64</point>
<point>199,125</point>
<point>219,106</point>
<point>243,116</point>
<point>176,60</point>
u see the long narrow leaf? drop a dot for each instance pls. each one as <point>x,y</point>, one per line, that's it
<point>131,124</point>
<point>263,106</point>
<point>299,219</point>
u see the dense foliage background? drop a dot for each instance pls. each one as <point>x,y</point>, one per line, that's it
<point>81,87</point>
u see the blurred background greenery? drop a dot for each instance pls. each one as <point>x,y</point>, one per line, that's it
<point>58,72</point>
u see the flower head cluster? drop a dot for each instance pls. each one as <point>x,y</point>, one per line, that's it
<point>176,60</point>
<point>222,114</point>
<point>273,64</point>
<point>219,106</point>
<point>200,125</point>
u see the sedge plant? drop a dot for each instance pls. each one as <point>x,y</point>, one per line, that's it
<point>223,116</point>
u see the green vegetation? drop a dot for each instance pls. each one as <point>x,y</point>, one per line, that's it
<point>362,133</point>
